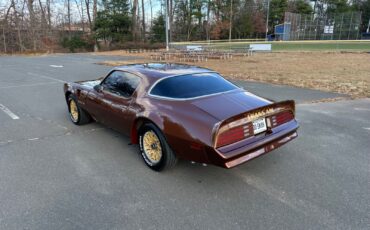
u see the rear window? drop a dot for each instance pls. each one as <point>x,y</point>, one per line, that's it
<point>192,85</point>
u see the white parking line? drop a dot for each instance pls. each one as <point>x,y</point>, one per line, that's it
<point>56,66</point>
<point>362,109</point>
<point>5,142</point>
<point>33,139</point>
<point>367,128</point>
<point>46,77</point>
<point>7,111</point>
<point>27,85</point>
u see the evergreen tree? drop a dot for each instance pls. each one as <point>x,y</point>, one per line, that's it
<point>158,31</point>
<point>301,7</point>
<point>337,6</point>
<point>113,22</point>
<point>277,11</point>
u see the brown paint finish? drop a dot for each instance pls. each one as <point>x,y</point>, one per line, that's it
<point>191,127</point>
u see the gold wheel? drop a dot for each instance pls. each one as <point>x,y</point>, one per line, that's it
<point>152,147</point>
<point>73,110</point>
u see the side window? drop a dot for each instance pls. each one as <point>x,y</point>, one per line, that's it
<point>128,84</point>
<point>122,83</point>
<point>111,82</point>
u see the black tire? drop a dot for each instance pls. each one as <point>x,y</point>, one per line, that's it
<point>83,117</point>
<point>168,158</point>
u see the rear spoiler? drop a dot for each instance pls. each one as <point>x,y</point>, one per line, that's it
<point>253,114</point>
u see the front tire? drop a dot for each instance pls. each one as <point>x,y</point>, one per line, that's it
<point>154,148</point>
<point>76,113</point>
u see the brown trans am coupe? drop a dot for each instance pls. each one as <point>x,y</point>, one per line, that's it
<point>179,111</point>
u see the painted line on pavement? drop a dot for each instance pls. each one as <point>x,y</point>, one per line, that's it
<point>8,112</point>
<point>46,77</point>
<point>5,142</point>
<point>19,86</point>
<point>33,139</point>
<point>56,66</point>
<point>362,109</point>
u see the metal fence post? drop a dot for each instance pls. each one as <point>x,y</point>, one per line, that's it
<point>350,25</point>
<point>341,26</point>
<point>359,26</point>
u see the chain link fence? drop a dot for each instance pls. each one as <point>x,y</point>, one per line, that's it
<point>343,26</point>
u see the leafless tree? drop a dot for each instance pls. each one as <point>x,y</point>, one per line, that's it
<point>143,18</point>
<point>87,2</point>
<point>134,20</point>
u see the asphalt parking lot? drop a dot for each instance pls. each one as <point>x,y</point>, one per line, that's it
<point>55,175</point>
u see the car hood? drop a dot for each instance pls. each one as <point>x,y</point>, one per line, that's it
<point>230,104</point>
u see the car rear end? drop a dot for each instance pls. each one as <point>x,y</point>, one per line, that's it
<point>248,135</point>
<point>223,124</point>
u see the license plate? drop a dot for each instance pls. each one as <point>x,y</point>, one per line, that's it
<point>259,125</point>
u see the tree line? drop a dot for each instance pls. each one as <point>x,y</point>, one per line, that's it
<point>49,25</point>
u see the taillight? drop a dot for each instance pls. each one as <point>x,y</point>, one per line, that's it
<point>281,118</point>
<point>234,135</point>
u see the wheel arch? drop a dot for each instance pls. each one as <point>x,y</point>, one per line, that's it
<point>67,94</point>
<point>138,122</point>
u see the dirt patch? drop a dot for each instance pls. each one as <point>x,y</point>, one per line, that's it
<point>347,73</point>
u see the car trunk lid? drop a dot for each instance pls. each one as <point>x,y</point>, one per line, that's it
<point>230,104</point>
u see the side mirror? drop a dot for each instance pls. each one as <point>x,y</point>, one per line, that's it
<point>98,88</point>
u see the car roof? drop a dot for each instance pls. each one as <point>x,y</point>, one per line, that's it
<point>160,70</point>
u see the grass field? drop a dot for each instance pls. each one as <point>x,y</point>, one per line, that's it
<point>277,46</point>
<point>347,72</point>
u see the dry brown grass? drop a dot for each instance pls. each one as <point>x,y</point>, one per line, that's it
<point>347,73</point>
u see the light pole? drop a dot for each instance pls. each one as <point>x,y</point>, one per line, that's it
<point>267,18</point>
<point>231,19</point>
<point>167,27</point>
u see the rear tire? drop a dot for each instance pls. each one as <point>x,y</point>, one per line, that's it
<point>154,148</point>
<point>76,113</point>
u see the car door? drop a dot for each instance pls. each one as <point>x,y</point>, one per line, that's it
<point>96,102</point>
<point>114,99</point>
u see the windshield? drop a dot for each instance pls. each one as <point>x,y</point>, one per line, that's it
<point>192,85</point>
